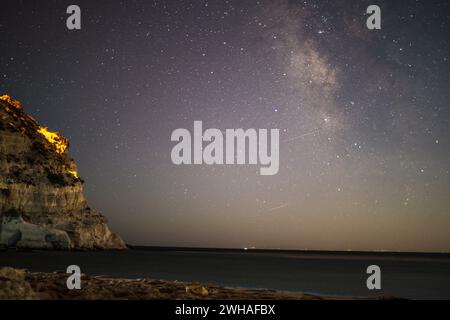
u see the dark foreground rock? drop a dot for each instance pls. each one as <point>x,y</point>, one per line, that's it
<point>19,284</point>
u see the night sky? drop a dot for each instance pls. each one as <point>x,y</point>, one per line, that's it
<point>364,116</point>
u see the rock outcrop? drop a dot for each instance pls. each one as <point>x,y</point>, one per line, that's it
<point>14,286</point>
<point>21,284</point>
<point>41,196</point>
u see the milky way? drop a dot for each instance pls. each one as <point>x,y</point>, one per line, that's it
<point>364,116</point>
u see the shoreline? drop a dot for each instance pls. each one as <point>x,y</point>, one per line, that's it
<point>19,284</point>
<point>315,275</point>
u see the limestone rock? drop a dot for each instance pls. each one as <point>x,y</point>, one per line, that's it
<point>18,233</point>
<point>42,204</point>
<point>14,286</point>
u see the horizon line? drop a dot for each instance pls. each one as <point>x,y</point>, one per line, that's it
<point>252,249</point>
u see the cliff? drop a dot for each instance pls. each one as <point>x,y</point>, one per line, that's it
<point>41,195</point>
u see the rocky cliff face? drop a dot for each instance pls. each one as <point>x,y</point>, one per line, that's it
<point>41,196</point>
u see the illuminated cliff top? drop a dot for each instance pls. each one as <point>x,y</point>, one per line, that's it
<point>61,144</point>
<point>20,121</point>
<point>25,123</point>
<point>14,103</point>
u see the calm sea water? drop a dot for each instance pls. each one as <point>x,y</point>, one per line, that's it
<point>417,277</point>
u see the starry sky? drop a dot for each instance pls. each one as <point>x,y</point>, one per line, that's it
<point>364,116</point>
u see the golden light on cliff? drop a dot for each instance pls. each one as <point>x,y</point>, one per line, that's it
<point>14,103</point>
<point>74,173</point>
<point>61,144</point>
